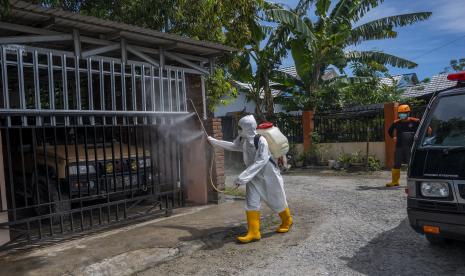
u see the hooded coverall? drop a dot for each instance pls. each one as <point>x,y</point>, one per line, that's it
<point>262,177</point>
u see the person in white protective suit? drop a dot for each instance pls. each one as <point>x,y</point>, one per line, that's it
<point>261,177</point>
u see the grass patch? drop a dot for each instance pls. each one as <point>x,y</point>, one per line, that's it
<point>234,192</point>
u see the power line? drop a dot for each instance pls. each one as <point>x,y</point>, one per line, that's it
<point>439,47</point>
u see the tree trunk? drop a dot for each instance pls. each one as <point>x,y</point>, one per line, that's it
<point>268,97</point>
<point>313,87</point>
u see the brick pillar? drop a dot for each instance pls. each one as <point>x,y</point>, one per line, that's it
<point>213,126</point>
<point>390,115</point>
<point>200,181</point>
<point>195,161</point>
<point>307,125</point>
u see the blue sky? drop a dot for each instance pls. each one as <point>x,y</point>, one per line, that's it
<point>420,41</point>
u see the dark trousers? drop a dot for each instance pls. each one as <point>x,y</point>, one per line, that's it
<point>402,156</point>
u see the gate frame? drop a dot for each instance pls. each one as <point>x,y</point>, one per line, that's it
<point>104,37</point>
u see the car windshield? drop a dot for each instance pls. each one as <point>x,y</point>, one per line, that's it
<point>446,124</point>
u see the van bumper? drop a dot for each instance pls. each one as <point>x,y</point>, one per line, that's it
<point>451,225</point>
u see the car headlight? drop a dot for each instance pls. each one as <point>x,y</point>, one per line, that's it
<point>81,169</point>
<point>434,189</point>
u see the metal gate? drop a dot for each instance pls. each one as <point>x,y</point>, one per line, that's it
<point>81,142</point>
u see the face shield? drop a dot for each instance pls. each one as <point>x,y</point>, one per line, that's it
<point>239,130</point>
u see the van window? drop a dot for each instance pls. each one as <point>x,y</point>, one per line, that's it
<point>446,123</point>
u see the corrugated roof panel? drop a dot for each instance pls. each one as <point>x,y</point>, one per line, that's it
<point>19,7</point>
<point>437,83</point>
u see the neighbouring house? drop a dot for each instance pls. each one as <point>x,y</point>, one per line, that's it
<point>402,80</point>
<point>426,90</point>
<point>243,104</point>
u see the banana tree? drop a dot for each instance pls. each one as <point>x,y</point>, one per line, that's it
<point>265,59</point>
<point>329,39</point>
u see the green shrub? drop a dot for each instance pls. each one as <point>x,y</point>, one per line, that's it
<point>346,160</point>
<point>373,163</point>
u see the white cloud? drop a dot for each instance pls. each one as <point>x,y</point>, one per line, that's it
<point>448,15</point>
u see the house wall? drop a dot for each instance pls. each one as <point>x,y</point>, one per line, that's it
<point>239,104</point>
<point>335,149</point>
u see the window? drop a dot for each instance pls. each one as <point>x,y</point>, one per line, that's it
<point>446,123</point>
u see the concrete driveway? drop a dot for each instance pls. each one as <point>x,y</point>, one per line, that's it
<point>344,225</point>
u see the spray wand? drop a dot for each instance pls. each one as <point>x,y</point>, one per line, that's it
<point>211,145</point>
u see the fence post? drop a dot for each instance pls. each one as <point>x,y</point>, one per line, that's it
<point>214,127</point>
<point>390,115</point>
<point>307,125</point>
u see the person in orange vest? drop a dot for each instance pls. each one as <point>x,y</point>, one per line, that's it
<point>404,128</point>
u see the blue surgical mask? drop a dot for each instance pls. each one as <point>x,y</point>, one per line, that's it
<point>403,116</point>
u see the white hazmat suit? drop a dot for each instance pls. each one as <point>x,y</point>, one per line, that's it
<point>261,177</point>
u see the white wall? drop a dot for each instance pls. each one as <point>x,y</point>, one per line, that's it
<point>235,106</point>
<point>375,148</point>
<point>335,149</point>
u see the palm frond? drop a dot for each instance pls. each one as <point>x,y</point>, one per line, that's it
<point>342,7</point>
<point>292,20</point>
<point>302,7</point>
<point>379,57</point>
<point>383,28</point>
<point>302,59</point>
<point>363,7</point>
<point>322,7</point>
<point>284,79</point>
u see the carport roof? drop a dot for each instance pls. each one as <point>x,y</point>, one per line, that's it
<point>33,15</point>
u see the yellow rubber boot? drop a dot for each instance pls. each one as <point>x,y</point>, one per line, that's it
<point>286,219</point>
<point>395,178</point>
<point>253,224</point>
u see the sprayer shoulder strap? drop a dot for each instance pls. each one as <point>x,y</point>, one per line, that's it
<point>256,140</point>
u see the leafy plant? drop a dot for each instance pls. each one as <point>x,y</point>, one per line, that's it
<point>373,163</point>
<point>219,89</point>
<point>456,65</point>
<point>320,42</point>
<point>344,159</point>
<point>357,158</point>
<point>347,160</point>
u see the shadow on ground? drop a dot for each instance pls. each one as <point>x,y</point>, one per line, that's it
<point>401,251</point>
<point>380,188</point>
<point>216,237</point>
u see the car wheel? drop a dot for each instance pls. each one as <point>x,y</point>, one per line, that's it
<point>436,240</point>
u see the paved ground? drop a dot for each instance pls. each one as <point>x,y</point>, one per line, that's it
<point>344,225</point>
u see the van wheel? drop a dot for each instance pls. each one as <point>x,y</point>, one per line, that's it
<point>437,240</point>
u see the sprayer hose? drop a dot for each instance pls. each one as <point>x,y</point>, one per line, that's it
<point>211,170</point>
